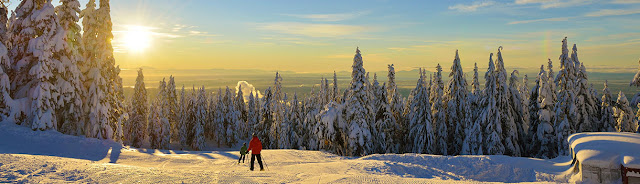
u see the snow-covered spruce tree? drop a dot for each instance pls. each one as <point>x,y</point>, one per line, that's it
<point>455,101</point>
<point>266,119</point>
<point>231,119</point>
<point>335,93</point>
<point>214,129</point>
<point>5,84</point>
<point>4,11</point>
<point>519,109</point>
<point>111,71</point>
<point>240,106</point>
<point>472,144</point>
<point>278,112</point>
<point>396,103</point>
<point>252,114</point>
<point>36,39</point>
<point>174,110</point>
<point>421,132</point>
<point>70,111</point>
<point>96,103</point>
<point>543,142</point>
<point>357,113</point>
<point>311,140</point>
<point>438,113</point>
<point>295,120</point>
<point>504,104</point>
<point>623,113</point>
<point>565,108</point>
<point>636,99</point>
<point>285,126</point>
<point>385,125</point>
<point>158,119</point>
<point>198,140</point>
<point>586,102</point>
<point>330,131</point>
<point>608,121</point>
<point>490,116</point>
<point>136,127</point>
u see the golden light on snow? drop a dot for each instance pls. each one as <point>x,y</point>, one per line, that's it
<point>137,38</point>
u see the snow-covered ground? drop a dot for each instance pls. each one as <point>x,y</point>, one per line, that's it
<point>50,157</point>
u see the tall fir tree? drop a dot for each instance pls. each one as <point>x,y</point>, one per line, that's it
<point>607,120</point>
<point>472,144</point>
<point>438,112</point>
<point>421,132</point>
<point>240,106</point>
<point>174,110</point>
<point>70,111</point>
<point>278,112</point>
<point>588,110</point>
<point>510,134</point>
<point>455,101</point>
<point>136,127</point>
<point>159,125</point>
<point>263,129</point>
<point>201,116</point>
<point>623,113</point>
<point>565,108</point>
<point>490,117</point>
<point>231,119</point>
<point>357,111</point>
<point>542,133</point>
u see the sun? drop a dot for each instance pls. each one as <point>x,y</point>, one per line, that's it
<point>137,38</point>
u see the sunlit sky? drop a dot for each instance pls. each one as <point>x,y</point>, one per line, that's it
<point>321,36</point>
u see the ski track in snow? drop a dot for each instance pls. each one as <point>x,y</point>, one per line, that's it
<point>50,157</point>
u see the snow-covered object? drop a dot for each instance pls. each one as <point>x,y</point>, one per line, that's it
<point>241,109</point>
<point>385,125</point>
<point>505,107</point>
<point>198,141</point>
<point>357,111</point>
<point>565,109</point>
<point>36,46</point>
<point>331,128</point>
<point>608,120</point>
<point>519,109</point>
<point>232,119</point>
<point>136,127</point>
<point>542,139</point>
<point>70,111</point>
<point>278,112</point>
<point>626,122</point>
<point>187,116</point>
<point>472,144</point>
<point>335,93</point>
<point>4,11</point>
<point>456,105</point>
<point>636,79</point>
<point>605,151</point>
<point>397,104</point>
<point>172,100</point>
<point>587,103</point>
<point>438,113</point>
<point>252,114</point>
<point>490,117</point>
<point>421,137</point>
<point>295,123</point>
<point>266,119</point>
<point>5,85</point>
<point>159,126</point>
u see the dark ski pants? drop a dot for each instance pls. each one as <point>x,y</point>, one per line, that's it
<point>253,158</point>
<point>241,158</point>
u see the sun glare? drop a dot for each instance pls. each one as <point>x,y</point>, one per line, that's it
<point>137,38</point>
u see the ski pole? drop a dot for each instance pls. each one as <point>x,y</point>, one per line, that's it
<point>265,163</point>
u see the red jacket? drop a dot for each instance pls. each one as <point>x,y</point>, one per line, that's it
<point>255,145</point>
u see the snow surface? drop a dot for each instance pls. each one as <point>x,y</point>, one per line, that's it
<point>607,149</point>
<point>50,157</point>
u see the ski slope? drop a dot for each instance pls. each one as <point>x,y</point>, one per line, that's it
<point>50,157</point>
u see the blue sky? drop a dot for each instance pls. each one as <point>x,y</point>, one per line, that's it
<point>321,36</point>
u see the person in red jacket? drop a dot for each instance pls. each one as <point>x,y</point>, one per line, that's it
<point>255,146</point>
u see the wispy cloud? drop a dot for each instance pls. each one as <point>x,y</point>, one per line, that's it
<point>471,7</point>
<point>544,4</point>
<point>329,17</point>
<point>613,12</point>
<point>313,30</point>
<point>626,2</point>
<point>558,19</point>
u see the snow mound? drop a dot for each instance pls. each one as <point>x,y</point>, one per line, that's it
<point>607,149</point>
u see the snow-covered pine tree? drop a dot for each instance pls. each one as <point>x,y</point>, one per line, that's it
<point>586,102</point>
<point>252,114</point>
<point>519,109</point>
<point>311,140</point>
<point>396,103</point>
<point>542,135</point>
<point>240,106</point>
<point>214,129</point>
<point>136,127</point>
<point>504,104</point>
<point>172,98</point>
<point>455,103</point>
<point>607,120</point>
<point>438,112</point>
<point>231,119</point>
<point>285,126</point>
<point>70,111</point>
<point>200,108</point>
<point>4,11</point>
<point>565,108</point>
<point>472,144</point>
<point>94,104</point>
<point>182,125</point>
<point>623,113</point>
<point>330,131</point>
<point>490,116</point>
<point>335,93</point>
<point>421,132</point>
<point>266,119</point>
<point>278,112</point>
<point>36,46</point>
<point>636,99</point>
<point>295,119</point>
<point>385,124</point>
<point>158,119</point>
<point>115,94</point>
<point>357,111</point>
